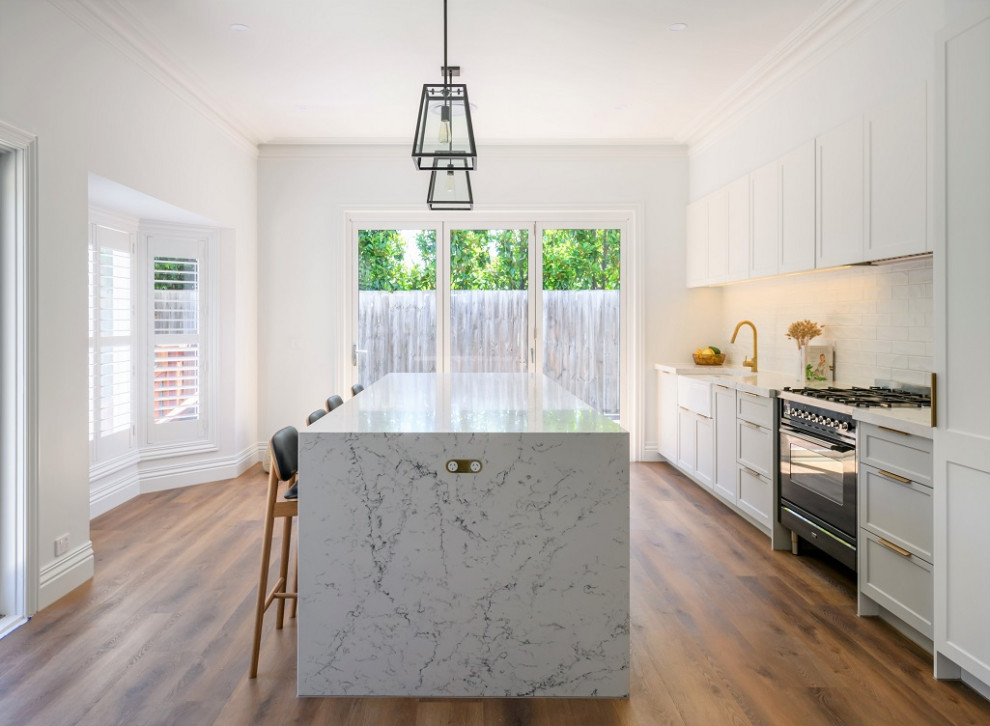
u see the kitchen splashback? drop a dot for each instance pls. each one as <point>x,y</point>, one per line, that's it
<point>879,318</point>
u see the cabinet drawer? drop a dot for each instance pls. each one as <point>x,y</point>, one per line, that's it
<point>900,512</point>
<point>901,454</point>
<point>755,409</point>
<point>902,584</point>
<point>694,395</point>
<point>755,495</point>
<point>754,446</point>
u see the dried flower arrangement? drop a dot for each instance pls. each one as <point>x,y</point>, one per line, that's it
<point>802,331</point>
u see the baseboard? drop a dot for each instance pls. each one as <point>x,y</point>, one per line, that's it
<point>65,574</point>
<point>976,684</point>
<point>109,494</point>
<point>650,453</point>
<point>184,474</point>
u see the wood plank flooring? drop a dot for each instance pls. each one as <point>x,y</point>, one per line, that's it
<point>724,631</point>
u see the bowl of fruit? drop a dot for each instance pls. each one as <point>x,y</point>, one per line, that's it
<point>710,356</point>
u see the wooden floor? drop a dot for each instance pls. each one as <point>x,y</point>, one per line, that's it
<point>724,631</point>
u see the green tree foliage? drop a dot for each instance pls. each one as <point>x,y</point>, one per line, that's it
<point>583,259</point>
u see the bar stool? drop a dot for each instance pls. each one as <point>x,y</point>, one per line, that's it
<point>356,389</point>
<point>284,449</point>
<point>333,402</point>
<point>316,416</point>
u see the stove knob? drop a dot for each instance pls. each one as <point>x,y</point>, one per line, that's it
<point>830,423</point>
<point>843,426</point>
<point>819,419</point>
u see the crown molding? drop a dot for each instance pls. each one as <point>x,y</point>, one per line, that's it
<point>835,24</point>
<point>111,22</point>
<point>526,152</point>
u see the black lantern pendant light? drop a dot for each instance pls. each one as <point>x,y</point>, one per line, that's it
<point>444,134</point>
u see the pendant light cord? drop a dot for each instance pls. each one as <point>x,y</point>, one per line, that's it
<point>446,68</point>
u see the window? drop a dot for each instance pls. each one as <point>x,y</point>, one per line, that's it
<point>504,296</point>
<point>181,340</point>
<point>111,345</point>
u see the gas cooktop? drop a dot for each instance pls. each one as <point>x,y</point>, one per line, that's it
<point>873,396</point>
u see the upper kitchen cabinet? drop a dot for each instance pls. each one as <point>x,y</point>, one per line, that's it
<point>697,243</point>
<point>797,210</point>
<point>718,236</point>
<point>897,175</point>
<point>840,203</point>
<point>739,229</point>
<point>764,186</point>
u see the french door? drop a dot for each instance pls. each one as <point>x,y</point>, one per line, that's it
<point>491,296</point>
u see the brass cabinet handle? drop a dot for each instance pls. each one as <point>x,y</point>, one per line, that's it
<point>893,431</point>
<point>750,425</point>
<point>895,477</point>
<point>891,546</point>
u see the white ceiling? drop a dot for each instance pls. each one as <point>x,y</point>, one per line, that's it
<point>536,70</point>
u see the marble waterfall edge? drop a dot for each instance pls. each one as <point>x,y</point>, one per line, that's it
<point>507,583</point>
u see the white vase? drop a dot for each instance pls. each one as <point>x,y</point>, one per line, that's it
<point>800,366</point>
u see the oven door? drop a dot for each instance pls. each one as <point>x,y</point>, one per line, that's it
<point>819,476</point>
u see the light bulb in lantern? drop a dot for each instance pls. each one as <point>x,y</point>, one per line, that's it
<point>449,183</point>
<point>443,135</point>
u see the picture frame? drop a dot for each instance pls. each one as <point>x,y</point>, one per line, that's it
<point>819,363</point>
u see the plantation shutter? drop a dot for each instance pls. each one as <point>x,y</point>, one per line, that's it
<point>111,349</point>
<point>177,339</point>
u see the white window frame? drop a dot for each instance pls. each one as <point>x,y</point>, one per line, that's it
<point>199,435</point>
<point>628,219</point>
<point>109,452</point>
<point>18,377</point>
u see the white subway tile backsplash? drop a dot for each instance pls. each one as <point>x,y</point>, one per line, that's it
<point>878,318</point>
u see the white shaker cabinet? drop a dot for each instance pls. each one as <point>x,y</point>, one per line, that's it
<point>897,176</point>
<point>697,243</point>
<point>718,236</point>
<point>695,430</point>
<point>755,436</point>
<point>667,414</point>
<point>764,186</point>
<point>739,229</point>
<point>797,210</point>
<point>725,482</point>
<point>840,212</point>
<point>962,299</point>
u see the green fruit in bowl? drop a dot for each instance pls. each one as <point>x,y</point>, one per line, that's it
<point>715,350</point>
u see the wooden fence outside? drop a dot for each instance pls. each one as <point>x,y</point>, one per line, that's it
<point>580,330</point>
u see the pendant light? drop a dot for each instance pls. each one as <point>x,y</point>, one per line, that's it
<point>450,188</point>
<point>444,134</point>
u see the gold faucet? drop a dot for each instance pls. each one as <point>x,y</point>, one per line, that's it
<point>751,364</point>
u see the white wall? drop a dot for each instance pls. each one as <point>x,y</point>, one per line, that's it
<point>304,193</point>
<point>93,110</point>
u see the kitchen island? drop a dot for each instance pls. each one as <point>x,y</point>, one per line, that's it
<point>508,577</point>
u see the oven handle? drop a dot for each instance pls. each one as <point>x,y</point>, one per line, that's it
<point>839,448</point>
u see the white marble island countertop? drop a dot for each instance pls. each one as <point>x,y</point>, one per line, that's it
<point>465,402</point>
<point>506,580</point>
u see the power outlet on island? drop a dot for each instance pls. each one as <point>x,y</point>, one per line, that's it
<point>61,545</point>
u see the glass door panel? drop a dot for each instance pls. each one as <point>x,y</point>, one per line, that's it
<point>489,300</point>
<point>397,303</point>
<point>581,313</point>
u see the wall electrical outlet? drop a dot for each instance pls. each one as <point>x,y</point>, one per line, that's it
<point>61,545</point>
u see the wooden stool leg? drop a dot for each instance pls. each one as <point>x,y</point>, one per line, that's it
<point>283,569</point>
<point>295,584</point>
<point>266,553</point>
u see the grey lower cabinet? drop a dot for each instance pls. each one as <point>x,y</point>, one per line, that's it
<point>895,561</point>
<point>755,437</point>
<point>726,476</point>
